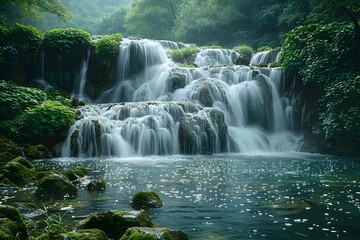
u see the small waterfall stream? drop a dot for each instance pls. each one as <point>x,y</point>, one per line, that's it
<point>80,83</point>
<point>157,108</point>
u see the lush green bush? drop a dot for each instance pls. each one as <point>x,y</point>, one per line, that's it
<point>42,123</point>
<point>327,57</point>
<point>60,41</point>
<point>178,55</point>
<point>28,116</point>
<point>14,99</point>
<point>245,51</point>
<point>106,49</point>
<point>64,51</point>
<point>264,48</point>
<point>19,48</point>
<point>322,54</point>
<point>341,117</point>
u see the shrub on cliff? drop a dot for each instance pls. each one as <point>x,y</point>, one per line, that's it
<point>64,51</point>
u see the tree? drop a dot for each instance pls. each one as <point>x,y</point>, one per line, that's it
<point>152,18</point>
<point>27,8</point>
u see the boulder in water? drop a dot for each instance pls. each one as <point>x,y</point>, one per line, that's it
<point>55,185</point>
<point>11,224</point>
<point>146,199</point>
<point>77,172</point>
<point>96,185</point>
<point>115,223</point>
<point>142,233</point>
<point>19,171</point>
<point>86,234</point>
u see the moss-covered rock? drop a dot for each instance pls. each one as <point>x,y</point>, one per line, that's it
<point>8,150</point>
<point>115,223</point>
<point>77,172</point>
<point>23,162</point>
<point>86,234</point>
<point>142,233</point>
<point>146,199</point>
<point>55,185</point>
<point>11,223</point>
<point>38,151</point>
<point>17,173</point>
<point>96,185</point>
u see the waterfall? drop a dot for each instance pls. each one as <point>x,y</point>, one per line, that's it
<point>42,83</point>
<point>80,82</point>
<point>265,57</point>
<point>157,108</point>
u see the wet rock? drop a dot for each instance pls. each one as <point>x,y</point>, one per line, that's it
<point>96,185</point>
<point>146,199</point>
<point>203,133</point>
<point>77,172</point>
<point>18,171</point>
<point>55,185</point>
<point>11,224</point>
<point>177,79</point>
<point>142,233</point>
<point>115,223</point>
<point>86,234</point>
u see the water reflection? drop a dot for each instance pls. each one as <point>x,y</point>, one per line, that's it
<point>283,196</point>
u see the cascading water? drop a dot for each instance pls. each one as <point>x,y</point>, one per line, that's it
<point>157,108</point>
<point>80,83</point>
<point>265,57</point>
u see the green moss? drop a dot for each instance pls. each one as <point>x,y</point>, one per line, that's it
<point>115,223</point>
<point>77,172</point>
<point>134,234</point>
<point>146,199</point>
<point>143,233</point>
<point>96,185</point>
<point>8,150</point>
<point>55,185</point>
<point>23,162</point>
<point>12,223</point>
<point>180,55</point>
<point>17,173</point>
<point>246,53</point>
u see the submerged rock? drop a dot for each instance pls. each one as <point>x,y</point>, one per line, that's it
<point>115,223</point>
<point>55,185</point>
<point>11,224</point>
<point>143,233</point>
<point>96,185</point>
<point>146,199</point>
<point>77,172</point>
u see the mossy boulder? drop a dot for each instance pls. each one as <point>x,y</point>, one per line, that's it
<point>115,223</point>
<point>11,224</point>
<point>77,172</point>
<point>96,185</point>
<point>19,171</point>
<point>86,234</point>
<point>146,199</point>
<point>8,150</point>
<point>55,185</point>
<point>37,152</point>
<point>143,233</point>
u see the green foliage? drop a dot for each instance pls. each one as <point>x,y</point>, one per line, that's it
<point>106,49</point>
<point>64,50</point>
<point>178,55</point>
<point>328,57</point>
<point>42,122</point>
<point>19,46</point>
<point>322,54</point>
<point>15,99</point>
<point>114,23</point>
<point>58,41</point>
<point>264,48</point>
<point>341,117</point>
<point>245,51</point>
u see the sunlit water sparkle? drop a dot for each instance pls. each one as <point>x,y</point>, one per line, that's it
<point>282,196</point>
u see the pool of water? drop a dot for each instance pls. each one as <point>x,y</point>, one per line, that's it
<point>253,196</point>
